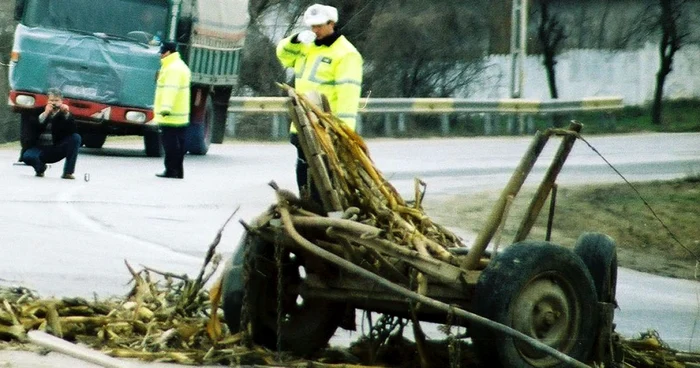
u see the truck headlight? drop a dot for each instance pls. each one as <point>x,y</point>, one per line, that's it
<point>136,116</point>
<point>25,100</point>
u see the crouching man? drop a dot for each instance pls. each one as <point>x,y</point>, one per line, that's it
<point>54,138</point>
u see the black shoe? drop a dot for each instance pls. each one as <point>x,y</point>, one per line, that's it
<point>169,175</point>
<point>41,170</point>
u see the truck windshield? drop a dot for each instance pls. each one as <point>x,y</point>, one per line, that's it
<point>127,18</point>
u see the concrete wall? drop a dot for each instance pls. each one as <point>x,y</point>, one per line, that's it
<point>584,73</point>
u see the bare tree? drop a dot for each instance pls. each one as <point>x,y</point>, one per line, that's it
<point>673,37</point>
<point>425,49</point>
<point>260,70</point>
<point>499,13</point>
<point>551,36</point>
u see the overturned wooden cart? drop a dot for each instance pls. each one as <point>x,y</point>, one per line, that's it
<point>302,269</point>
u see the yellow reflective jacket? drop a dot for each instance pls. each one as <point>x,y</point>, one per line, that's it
<point>335,71</point>
<point>172,92</point>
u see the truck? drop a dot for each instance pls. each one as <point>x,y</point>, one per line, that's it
<point>104,58</point>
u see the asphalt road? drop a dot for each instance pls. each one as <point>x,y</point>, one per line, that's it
<point>71,238</point>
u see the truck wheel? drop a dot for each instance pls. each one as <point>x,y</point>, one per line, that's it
<point>198,134</point>
<point>543,291</point>
<point>93,140</point>
<point>221,97</point>
<point>152,143</point>
<point>306,325</point>
<point>599,253</point>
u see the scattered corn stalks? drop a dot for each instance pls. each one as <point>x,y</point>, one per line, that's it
<point>165,317</point>
<point>649,351</point>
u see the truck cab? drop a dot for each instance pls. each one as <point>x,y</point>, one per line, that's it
<point>104,57</point>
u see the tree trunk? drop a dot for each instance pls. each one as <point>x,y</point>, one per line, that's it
<point>657,106</point>
<point>551,35</point>
<point>671,41</point>
<point>549,63</point>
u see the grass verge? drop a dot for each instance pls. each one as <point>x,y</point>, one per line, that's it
<point>645,238</point>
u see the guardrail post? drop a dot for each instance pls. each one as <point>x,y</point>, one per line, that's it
<point>510,127</point>
<point>609,122</point>
<point>231,124</point>
<point>530,124</point>
<point>401,124</point>
<point>358,124</point>
<point>522,128</point>
<point>275,126</point>
<point>488,129</point>
<point>387,125</point>
<point>444,125</point>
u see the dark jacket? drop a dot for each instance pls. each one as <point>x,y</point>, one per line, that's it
<point>62,126</point>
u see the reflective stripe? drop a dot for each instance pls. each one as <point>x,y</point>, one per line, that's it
<point>301,72</point>
<point>349,81</point>
<point>172,86</point>
<point>293,52</point>
<point>313,78</point>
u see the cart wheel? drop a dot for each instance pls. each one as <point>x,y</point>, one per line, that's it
<point>543,291</point>
<point>306,325</point>
<point>599,253</point>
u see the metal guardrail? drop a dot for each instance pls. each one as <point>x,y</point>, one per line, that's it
<point>437,106</point>
<point>266,105</point>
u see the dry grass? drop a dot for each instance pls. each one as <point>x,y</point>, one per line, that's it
<point>643,242</point>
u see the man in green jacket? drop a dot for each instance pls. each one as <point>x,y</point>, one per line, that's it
<point>326,62</point>
<point>171,108</point>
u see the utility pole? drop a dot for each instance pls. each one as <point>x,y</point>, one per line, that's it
<point>518,46</point>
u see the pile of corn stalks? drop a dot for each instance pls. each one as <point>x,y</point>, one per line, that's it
<point>353,183</point>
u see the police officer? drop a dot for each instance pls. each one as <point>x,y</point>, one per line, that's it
<point>172,108</point>
<point>326,62</point>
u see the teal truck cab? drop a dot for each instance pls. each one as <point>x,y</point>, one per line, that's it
<point>104,57</point>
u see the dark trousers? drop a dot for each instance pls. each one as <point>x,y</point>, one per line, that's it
<point>307,188</point>
<point>173,139</point>
<point>67,148</point>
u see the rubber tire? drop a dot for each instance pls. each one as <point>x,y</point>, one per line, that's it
<point>505,280</point>
<point>199,131</point>
<point>599,253</point>
<point>306,329</point>
<point>221,97</point>
<point>152,143</point>
<point>93,140</point>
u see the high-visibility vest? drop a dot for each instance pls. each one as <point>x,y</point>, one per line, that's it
<point>172,92</point>
<point>335,71</point>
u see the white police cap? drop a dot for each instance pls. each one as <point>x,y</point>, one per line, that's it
<point>318,14</point>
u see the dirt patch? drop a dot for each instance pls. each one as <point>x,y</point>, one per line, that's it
<point>659,234</point>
